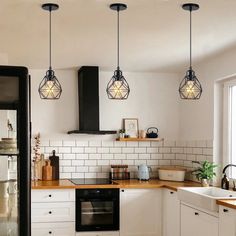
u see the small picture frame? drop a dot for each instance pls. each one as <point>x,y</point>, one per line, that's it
<point>131,127</point>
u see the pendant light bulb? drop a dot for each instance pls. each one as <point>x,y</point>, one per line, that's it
<point>190,87</point>
<point>117,87</point>
<point>50,88</point>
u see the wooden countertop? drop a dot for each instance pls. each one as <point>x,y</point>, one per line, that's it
<point>133,183</point>
<point>227,203</point>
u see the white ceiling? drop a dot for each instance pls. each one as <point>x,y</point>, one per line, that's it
<point>154,33</point>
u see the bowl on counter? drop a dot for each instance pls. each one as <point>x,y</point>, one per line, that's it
<point>172,173</point>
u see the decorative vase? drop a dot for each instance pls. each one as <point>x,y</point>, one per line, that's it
<point>205,182</point>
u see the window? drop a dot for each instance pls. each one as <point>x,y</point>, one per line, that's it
<point>230,125</point>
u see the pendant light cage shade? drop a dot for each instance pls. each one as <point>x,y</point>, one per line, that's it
<point>118,88</point>
<point>50,88</point>
<point>190,87</point>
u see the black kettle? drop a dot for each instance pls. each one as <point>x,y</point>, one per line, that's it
<point>152,132</point>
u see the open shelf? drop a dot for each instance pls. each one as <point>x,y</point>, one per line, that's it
<point>140,139</point>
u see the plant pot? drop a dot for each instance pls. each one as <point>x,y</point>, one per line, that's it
<point>205,182</point>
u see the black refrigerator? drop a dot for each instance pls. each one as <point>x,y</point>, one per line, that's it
<point>15,164</point>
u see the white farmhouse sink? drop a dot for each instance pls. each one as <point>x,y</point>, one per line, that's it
<point>204,197</point>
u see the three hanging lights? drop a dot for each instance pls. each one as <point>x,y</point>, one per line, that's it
<point>117,87</point>
<point>50,88</point>
<point>190,87</point>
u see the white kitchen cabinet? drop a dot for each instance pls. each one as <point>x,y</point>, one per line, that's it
<point>171,213</point>
<point>54,229</point>
<point>197,223</point>
<point>53,212</point>
<point>227,221</point>
<point>140,212</point>
<point>108,233</point>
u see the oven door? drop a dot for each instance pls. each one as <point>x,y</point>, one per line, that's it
<point>97,213</point>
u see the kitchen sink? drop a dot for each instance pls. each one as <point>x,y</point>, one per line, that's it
<point>204,197</point>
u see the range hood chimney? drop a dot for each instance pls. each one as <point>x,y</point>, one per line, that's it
<point>88,82</point>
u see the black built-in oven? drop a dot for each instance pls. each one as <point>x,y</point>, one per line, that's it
<point>97,209</point>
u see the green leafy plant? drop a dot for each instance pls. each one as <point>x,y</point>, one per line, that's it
<point>205,171</point>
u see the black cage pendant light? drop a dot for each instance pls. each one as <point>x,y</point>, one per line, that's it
<point>50,88</point>
<point>118,88</point>
<point>190,87</point>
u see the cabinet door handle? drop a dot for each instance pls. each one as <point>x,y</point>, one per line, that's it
<point>122,190</point>
<point>171,192</point>
<point>50,212</point>
<point>50,232</point>
<point>50,195</point>
<point>196,213</point>
<point>225,210</point>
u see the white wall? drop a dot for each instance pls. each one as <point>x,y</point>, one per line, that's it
<point>153,100</point>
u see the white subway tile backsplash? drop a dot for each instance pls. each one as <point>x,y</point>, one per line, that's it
<point>81,143</point>
<point>68,169</point>
<point>108,143</point>
<point>156,156</point>
<point>66,176</point>
<point>144,144</point>
<point>107,156</point>
<point>115,150</point>
<point>83,169</point>
<point>69,143</point>
<point>132,156</point>
<point>103,150</point>
<point>64,150</point>
<point>103,175</point>
<point>103,162</point>
<point>90,162</point>
<point>65,162</point>
<point>68,156</point>
<point>140,150</point>
<point>43,143</point>
<point>90,150</point>
<point>169,156</point>
<point>95,169</point>
<point>119,156</point>
<point>152,150</point>
<point>79,159</point>
<point>95,143</point>
<point>144,156</point>
<point>77,150</point>
<point>82,156</point>
<point>132,144</point>
<point>120,144</point>
<point>77,162</point>
<point>95,156</point>
<point>128,150</point>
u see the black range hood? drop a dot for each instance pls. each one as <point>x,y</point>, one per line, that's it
<point>88,82</point>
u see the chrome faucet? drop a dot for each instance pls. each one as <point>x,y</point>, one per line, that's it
<point>225,179</point>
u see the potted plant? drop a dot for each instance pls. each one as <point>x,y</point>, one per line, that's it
<point>205,172</point>
<point>121,133</point>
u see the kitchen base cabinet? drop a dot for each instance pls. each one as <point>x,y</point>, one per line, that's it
<point>53,212</point>
<point>171,213</point>
<point>54,229</point>
<point>227,221</point>
<point>111,233</point>
<point>197,223</point>
<point>140,212</point>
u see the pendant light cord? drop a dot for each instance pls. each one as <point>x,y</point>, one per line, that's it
<point>118,38</point>
<point>190,37</point>
<point>50,38</point>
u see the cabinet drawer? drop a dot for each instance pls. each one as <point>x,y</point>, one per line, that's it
<point>53,212</point>
<point>54,195</point>
<point>53,229</point>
